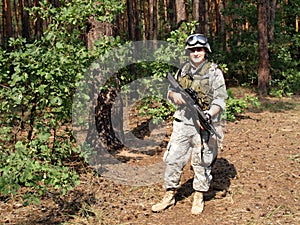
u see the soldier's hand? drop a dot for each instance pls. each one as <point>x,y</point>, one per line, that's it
<point>208,116</point>
<point>199,124</point>
<point>177,98</point>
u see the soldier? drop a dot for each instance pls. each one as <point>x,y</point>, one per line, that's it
<point>188,138</point>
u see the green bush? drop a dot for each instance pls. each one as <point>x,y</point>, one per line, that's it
<point>158,109</point>
<point>235,107</point>
<point>38,81</point>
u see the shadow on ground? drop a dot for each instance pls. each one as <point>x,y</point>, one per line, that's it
<point>223,172</point>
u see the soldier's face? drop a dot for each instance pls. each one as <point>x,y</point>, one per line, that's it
<point>197,55</point>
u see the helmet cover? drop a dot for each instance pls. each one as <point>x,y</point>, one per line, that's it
<point>197,41</point>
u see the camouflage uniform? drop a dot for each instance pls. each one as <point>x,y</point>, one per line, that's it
<point>187,140</point>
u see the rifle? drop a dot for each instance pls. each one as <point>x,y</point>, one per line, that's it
<point>191,98</point>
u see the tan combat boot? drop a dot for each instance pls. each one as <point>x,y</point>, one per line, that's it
<point>168,200</point>
<point>198,203</point>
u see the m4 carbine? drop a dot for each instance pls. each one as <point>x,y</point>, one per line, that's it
<point>191,98</point>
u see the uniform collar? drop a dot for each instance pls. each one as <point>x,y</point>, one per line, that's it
<point>195,69</point>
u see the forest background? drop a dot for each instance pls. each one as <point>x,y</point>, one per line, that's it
<point>47,45</point>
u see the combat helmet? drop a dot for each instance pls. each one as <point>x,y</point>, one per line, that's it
<point>197,40</point>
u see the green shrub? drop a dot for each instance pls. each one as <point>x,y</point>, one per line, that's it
<point>158,109</point>
<point>235,107</point>
<point>38,81</point>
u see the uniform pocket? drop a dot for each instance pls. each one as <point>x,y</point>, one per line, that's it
<point>207,155</point>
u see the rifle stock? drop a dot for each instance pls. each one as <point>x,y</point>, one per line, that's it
<point>192,101</point>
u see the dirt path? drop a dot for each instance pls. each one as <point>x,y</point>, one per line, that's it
<point>256,181</point>
<point>257,175</point>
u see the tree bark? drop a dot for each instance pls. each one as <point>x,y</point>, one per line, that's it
<point>196,14</point>
<point>271,20</point>
<point>16,12</point>
<point>103,111</point>
<point>151,19</point>
<point>155,21</point>
<point>131,30</point>
<point>202,18</point>
<point>172,13</point>
<point>181,14</point>
<point>25,19</point>
<point>227,32</point>
<point>137,30</point>
<point>165,10</point>
<point>222,35</point>
<point>97,29</point>
<point>146,20</point>
<point>263,55</point>
<point>38,28</point>
<point>7,20</point>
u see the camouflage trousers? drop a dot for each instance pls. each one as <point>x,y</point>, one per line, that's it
<point>186,143</point>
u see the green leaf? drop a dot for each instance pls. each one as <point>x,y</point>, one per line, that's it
<point>19,146</point>
<point>43,136</point>
<point>59,45</point>
<point>48,76</point>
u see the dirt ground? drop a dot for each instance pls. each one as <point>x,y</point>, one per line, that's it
<point>256,181</point>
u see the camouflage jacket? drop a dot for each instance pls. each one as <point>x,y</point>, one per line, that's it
<point>208,81</point>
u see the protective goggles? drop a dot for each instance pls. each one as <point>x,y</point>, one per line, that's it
<point>195,39</point>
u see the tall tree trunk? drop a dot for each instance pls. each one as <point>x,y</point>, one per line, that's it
<point>97,29</point>
<point>271,20</point>
<point>155,20</point>
<point>121,25</point>
<point>103,111</point>
<point>146,20</point>
<point>227,32</point>
<point>222,34</point>
<point>263,55</point>
<point>196,14</point>
<point>202,18</point>
<point>131,30</point>
<point>181,14</point>
<point>217,16</point>
<point>7,20</point>
<point>172,13</point>
<point>130,14</point>
<point>163,23</point>
<point>16,12</point>
<point>151,19</point>
<point>165,7</point>
<point>239,26</point>
<point>38,28</point>
<point>137,30</point>
<point>25,19</point>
